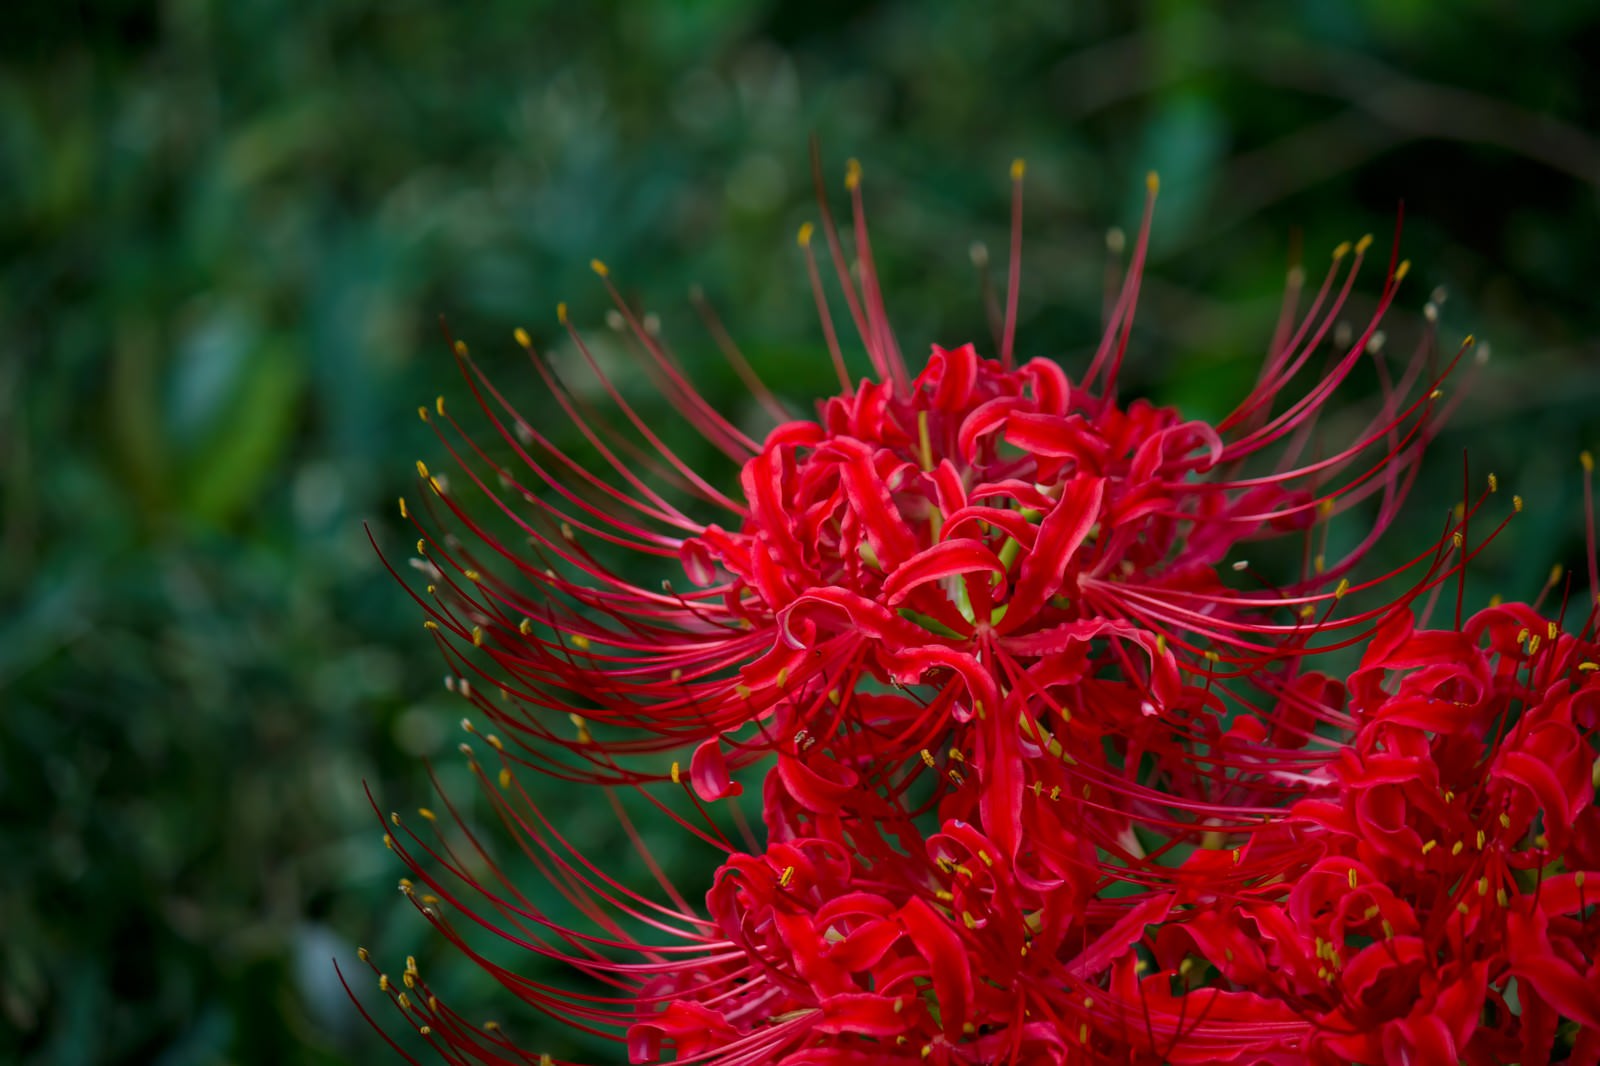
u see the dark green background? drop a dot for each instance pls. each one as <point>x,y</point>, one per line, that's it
<point>227,229</point>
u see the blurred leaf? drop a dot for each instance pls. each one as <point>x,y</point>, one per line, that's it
<point>246,446</point>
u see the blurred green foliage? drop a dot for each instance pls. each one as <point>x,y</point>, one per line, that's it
<point>227,229</point>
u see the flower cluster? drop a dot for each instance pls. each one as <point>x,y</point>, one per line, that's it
<point>1047,769</point>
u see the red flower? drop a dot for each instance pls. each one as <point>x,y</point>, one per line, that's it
<point>1443,916</point>
<point>1015,708</point>
<point>951,530</point>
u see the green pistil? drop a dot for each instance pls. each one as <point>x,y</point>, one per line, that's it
<point>1009,552</point>
<point>963,600</point>
<point>932,625</point>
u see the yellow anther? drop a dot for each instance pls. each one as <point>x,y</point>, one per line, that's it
<point>430,624</point>
<point>927,758</point>
<point>394,816</point>
<point>852,174</point>
<point>581,642</point>
<point>422,546</point>
<point>427,814</point>
<point>1018,168</point>
<point>676,773</point>
<point>1402,270</point>
<point>1388,930</point>
<point>561,313</point>
<point>803,238</point>
<point>505,777</point>
<point>1429,846</point>
<point>1455,849</point>
<point>1341,250</point>
<point>363,954</point>
<point>1152,183</point>
<point>410,979</point>
<point>522,338</point>
<point>425,1030</point>
<point>1587,459</point>
<point>1483,886</point>
<point>1500,897</point>
<point>525,627</point>
<point>1352,878</point>
<point>493,1027</point>
<point>1161,644</point>
<point>461,348</point>
<point>422,469</point>
<point>1555,574</point>
<point>1494,483</point>
<point>1363,244</point>
<point>495,742</point>
<point>438,404</point>
<point>403,1000</point>
<point>1505,820</point>
<point>477,636</point>
<point>1344,587</point>
<point>404,513</point>
<point>786,877</point>
<point>968,920</point>
<point>1516,503</point>
<point>1577,878</point>
<point>383,982</point>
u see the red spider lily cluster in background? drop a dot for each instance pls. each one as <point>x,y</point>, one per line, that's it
<point>1049,771</point>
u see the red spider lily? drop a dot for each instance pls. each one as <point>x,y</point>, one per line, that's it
<point>1445,912</point>
<point>958,531</point>
<point>1015,708</point>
